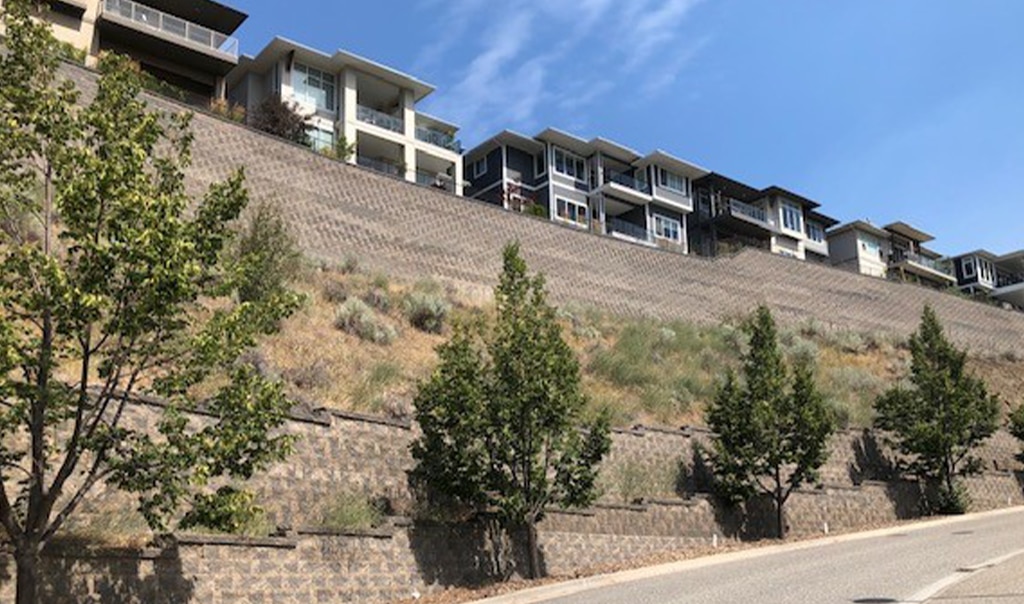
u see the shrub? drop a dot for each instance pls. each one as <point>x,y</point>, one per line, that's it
<point>309,377</point>
<point>335,292</point>
<point>228,510</point>
<point>351,511</point>
<point>379,298</point>
<point>349,265</point>
<point>279,118</point>
<point>231,111</point>
<point>267,254</point>
<point>369,391</point>
<point>358,319</point>
<point>427,311</point>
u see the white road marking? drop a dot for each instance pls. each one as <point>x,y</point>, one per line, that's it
<point>960,575</point>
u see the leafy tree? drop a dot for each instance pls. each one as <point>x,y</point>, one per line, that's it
<point>104,263</point>
<point>942,417</point>
<point>267,255</point>
<point>502,415</point>
<point>279,118</point>
<point>771,430</point>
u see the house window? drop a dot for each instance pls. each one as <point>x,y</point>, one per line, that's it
<point>321,139</point>
<point>815,232</point>
<point>540,162</point>
<point>968,267</point>
<point>314,87</point>
<point>674,182</point>
<point>986,271</point>
<point>871,247</point>
<point>570,165</point>
<point>667,228</point>
<point>792,217</point>
<point>480,167</point>
<point>572,211</point>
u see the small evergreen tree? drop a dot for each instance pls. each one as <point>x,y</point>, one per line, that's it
<point>942,417</point>
<point>266,255</point>
<point>279,118</point>
<point>502,415</point>
<point>771,432</point>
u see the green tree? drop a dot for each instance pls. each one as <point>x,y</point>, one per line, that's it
<point>279,118</point>
<point>771,430</point>
<point>105,263</point>
<point>266,254</point>
<point>502,415</point>
<point>944,414</point>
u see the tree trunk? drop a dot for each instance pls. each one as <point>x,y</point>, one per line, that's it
<point>532,547</point>
<point>27,560</point>
<point>780,518</point>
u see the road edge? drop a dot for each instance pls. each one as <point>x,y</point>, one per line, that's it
<point>543,593</point>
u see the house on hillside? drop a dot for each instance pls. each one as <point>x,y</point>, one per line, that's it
<point>895,251</point>
<point>731,215</point>
<point>185,43</point>
<point>998,277</point>
<point>596,185</point>
<point>351,99</point>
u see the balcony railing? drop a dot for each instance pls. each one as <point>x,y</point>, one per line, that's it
<point>379,165</point>
<point>1006,280</point>
<point>174,26</point>
<point>617,225</point>
<point>628,181</point>
<point>738,207</point>
<point>379,118</point>
<point>438,181</point>
<point>903,256</point>
<point>438,139</point>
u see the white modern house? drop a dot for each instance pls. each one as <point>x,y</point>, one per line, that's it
<point>346,97</point>
<point>895,251</point>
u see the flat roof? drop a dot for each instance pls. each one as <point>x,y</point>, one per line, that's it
<point>826,220</point>
<point>777,190</point>
<point>902,228</point>
<point>665,159</point>
<point>505,137</point>
<point>860,225</point>
<point>335,62</point>
<point>207,13</point>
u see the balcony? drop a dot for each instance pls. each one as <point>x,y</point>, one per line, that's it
<point>438,139</point>
<point>379,165</point>
<point>380,119</point>
<point>737,207</point>
<point>617,227</point>
<point>435,180</point>
<point>626,187</point>
<point>1006,280</point>
<point>168,27</point>
<point>915,263</point>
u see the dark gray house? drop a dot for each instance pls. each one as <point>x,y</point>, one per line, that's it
<point>596,184</point>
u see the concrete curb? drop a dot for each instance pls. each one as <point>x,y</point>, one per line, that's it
<point>558,590</point>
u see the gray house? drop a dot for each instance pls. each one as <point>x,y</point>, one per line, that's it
<point>596,185</point>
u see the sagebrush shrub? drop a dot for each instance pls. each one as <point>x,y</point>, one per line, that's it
<point>358,319</point>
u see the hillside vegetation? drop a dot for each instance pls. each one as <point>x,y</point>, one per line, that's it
<point>363,341</point>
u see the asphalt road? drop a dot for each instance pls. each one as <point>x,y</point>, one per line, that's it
<point>905,566</point>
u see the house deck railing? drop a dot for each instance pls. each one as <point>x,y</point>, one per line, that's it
<point>750,211</point>
<point>378,165</point>
<point>1006,279</point>
<point>617,225</point>
<point>438,139</point>
<point>379,118</point>
<point>918,259</point>
<point>629,182</point>
<point>174,26</point>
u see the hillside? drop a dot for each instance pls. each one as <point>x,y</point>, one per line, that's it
<point>644,370</point>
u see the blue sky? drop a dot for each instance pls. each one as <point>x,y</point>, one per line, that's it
<point>879,109</point>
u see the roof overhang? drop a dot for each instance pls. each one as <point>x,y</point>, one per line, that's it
<point>505,137</point>
<point>566,141</point>
<point>987,255</point>
<point>822,219</point>
<point>732,188</point>
<point>779,191</point>
<point>426,119</point>
<point>902,228</point>
<point>207,13</point>
<point>613,150</point>
<point>673,164</point>
<point>862,226</point>
<point>333,63</point>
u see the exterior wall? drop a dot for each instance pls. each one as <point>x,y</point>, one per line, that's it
<point>849,250</point>
<point>489,178</point>
<point>80,33</point>
<point>520,166</point>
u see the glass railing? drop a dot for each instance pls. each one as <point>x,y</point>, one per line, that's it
<point>628,181</point>
<point>378,165</point>
<point>379,118</point>
<point>617,225</point>
<point>739,207</point>
<point>174,26</point>
<point>432,179</point>
<point>438,139</point>
<point>929,263</point>
<point>1006,279</point>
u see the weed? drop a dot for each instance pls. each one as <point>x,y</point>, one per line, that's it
<point>368,393</point>
<point>427,311</point>
<point>358,319</point>
<point>348,511</point>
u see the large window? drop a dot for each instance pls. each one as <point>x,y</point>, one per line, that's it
<point>667,228</point>
<point>870,246</point>
<point>968,267</point>
<point>792,217</point>
<point>321,139</point>
<point>570,165</point>
<point>986,271</point>
<point>673,182</point>
<point>572,211</point>
<point>480,167</point>
<point>313,86</point>
<point>815,232</point>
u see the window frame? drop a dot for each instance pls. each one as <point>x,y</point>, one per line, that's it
<point>568,157</point>
<point>540,163</point>
<point>579,205</point>
<point>477,170</point>
<point>972,263</point>
<point>797,211</point>
<point>663,181</point>
<point>323,79</point>
<point>660,219</point>
<point>817,228</point>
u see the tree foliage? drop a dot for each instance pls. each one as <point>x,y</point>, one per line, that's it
<point>771,429</point>
<point>280,118</point>
<point>944,414</point>
<point>502,415</point>
<point>105,267</point>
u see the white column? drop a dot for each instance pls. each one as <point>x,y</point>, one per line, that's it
<point>459,177</point>
<point>409,115</point>
<point>349,98</point>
